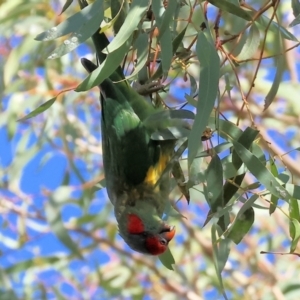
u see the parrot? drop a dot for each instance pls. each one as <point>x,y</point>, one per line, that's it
<point>136,167</point>
<point>133,164</point>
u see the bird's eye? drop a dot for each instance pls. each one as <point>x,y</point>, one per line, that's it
<point>163,242</point>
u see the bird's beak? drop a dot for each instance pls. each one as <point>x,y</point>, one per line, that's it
<point>167,232</point>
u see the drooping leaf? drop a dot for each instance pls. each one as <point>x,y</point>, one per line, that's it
<point>74,23</point>
<point>280,62</point>
<point>274,199</point>
<point>296,12</point>
<point>243,221</point>
<point>165,37</point>
<point>214,188</point>
<point>295,7</point>
<point>294,233</point>
<point>264,21</point>
<point>119,10</point>
<point>295,22</point>
<point>294,190</point>
<point>175,44</point>
<point>260,172</point>
<point>294,223</point>
<point>166,51</point>
<point>231,8</point>
<point>82,34</point>
<point>66,6</point>
<point>219,257</point>
<point>141,44</point>
<point>136,12</point>
<point>251,44</point>
<point>167,259</point>
<point>208,89</point>
<point>39,110</point>
<point>163,16</point>
<point>112,61</point>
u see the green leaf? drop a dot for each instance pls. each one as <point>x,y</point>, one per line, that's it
<point>81,35</point>
<point>246,139</point>
<point>165,36</point>
<point>280,63</point>
<point>164,116</point>
<point>166,52</point>
<point>39,110</point>
<point>295,22</point>
<point>295,7</point>
<point>99,186</point>
<point>164,19</point>
<point>294,209</point>
<point>243,221</point>
<point>221,256</point>
<point>223,252</point>
<point>251,44</point>
<point>274,27</point>
<point>296,12</point>
<point>214,187</point>
<point>294,190</point>
<point>66,6</point>
<point>256,167</point>
<point>294,233</point>
<point>134,16</point>
<point>175,44</point>
<point>274,199</point>
<point>141,44</point>
<point>170,133</point>
<point>119,10</point>
<point>110,64</point>
<point>294,223</point>
<point>75,23</point>
<point>225,128</point>
<point>208,89</point>
<point>231,8</point>
<point>167,259</point>
<point>191,100</point>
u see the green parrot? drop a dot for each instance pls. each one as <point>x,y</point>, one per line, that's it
<point>136,167</point>
<point>133,166</point>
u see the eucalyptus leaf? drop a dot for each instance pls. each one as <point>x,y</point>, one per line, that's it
<point>167,259</point>
<point>243,221</point>
<point>231,8</point>
<point>136,12</point>
<point>74,23</point>
<point>208,88</point>
<point>39,110</point>
<point>294,233</point>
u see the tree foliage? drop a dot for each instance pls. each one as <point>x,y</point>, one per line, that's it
<point>234,64</point>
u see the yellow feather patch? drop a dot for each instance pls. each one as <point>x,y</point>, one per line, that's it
<point>155,172</point>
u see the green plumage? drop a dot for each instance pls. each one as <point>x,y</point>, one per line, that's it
<point>128,151</point>
<point>128,155</point>
<point>134,164</point>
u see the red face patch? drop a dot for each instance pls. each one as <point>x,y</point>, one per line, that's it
<point>154,246</point>
<point>135,224</point>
